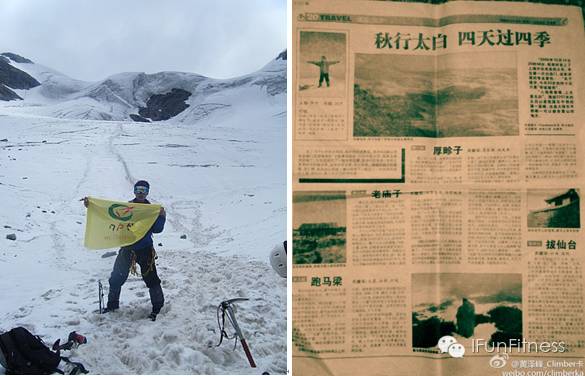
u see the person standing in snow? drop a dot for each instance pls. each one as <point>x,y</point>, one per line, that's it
<point>323,65</point>
<point>141,252</point>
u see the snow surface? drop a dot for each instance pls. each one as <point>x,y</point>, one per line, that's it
<point>222,181</point>
<point>309,87</point>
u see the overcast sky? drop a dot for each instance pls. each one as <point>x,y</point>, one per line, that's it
<point>90,40</point>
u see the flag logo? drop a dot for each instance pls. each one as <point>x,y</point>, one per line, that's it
<point>120,212</point>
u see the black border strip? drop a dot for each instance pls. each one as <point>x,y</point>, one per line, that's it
<point>432,22</point>
<point>402,179</point>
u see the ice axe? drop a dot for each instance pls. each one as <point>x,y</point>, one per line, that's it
<point>227,307</point>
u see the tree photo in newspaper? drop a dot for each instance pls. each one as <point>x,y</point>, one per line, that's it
<point>437,174</point>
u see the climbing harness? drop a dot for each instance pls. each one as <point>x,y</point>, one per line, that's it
<point>228,308</point>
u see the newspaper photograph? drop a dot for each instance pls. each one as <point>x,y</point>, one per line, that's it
<point>437,173</point>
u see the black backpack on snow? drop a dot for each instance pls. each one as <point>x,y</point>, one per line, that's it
<point>26,354</point>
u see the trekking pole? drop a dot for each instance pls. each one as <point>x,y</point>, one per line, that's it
<point>226,306</point>
<point>101,296</point>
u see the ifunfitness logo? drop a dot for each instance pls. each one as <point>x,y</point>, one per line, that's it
<point>520,346</point>
<point>520,367</point>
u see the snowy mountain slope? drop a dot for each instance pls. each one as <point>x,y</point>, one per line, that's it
<point>222,180</point>
<point>54,85</point>
<point>120,95</point>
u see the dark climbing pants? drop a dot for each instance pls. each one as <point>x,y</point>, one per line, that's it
<point>146,259</point>
<point>324,76</point>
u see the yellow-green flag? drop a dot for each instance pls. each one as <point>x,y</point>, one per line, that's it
<point>113,224</point>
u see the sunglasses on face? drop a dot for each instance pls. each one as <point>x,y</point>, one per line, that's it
<point>141,190</point>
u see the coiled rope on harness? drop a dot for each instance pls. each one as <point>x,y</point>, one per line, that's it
<point>153,257</point>
<point>133,263</point>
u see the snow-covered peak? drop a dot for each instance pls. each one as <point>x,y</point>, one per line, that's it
<point>54,85</point>
<point>276,65</point>
<point>16,58</point>
<point>141,96</point>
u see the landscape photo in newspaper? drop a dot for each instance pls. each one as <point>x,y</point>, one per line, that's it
<point>466,306</point>
<point>553,208</point>
<point>322,64</point>
<point>319,228</point>
<point>447,95</point>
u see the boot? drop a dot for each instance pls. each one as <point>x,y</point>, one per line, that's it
<point>111,307</point>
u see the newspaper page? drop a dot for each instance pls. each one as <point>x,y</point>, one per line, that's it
<point>437,175</point>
